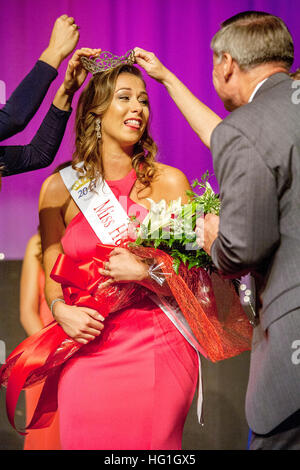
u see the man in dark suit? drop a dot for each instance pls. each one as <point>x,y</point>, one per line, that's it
<point>256,154</point>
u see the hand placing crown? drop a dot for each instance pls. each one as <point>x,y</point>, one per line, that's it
<point>107,61</point>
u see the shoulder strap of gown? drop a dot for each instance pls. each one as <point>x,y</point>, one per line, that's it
<point>99,205</point>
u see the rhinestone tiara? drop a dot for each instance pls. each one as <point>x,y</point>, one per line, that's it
<point>107,61</point>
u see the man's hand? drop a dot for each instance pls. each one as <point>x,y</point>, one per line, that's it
<point>63,40</point>
<point>207,229</point>
<point>150,63</point>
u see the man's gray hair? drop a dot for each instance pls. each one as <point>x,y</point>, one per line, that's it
<point>253,38</point>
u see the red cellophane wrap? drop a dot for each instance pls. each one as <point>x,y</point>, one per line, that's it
<point>209,304</point>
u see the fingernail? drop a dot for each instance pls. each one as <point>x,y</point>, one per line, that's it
<point>101,318</point>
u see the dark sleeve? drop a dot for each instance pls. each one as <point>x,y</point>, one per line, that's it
<point>26,99</point>
<point>249,230</point>
<point>41,150</point>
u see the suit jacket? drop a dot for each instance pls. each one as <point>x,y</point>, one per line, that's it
<point>256,155</point>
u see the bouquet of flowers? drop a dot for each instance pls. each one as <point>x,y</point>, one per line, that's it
<point>171,227</point>
<point>209,302</point>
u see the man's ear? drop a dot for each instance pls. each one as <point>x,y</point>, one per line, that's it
<point>228,66</point>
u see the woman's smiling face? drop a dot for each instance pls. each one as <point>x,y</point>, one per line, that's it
<point>128,113</point>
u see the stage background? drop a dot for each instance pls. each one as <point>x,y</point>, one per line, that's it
<point>177,31</point>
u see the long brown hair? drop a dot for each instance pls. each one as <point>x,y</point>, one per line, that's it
<point>93,102</point>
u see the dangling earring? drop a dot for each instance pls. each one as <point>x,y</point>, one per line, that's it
<point>98,128</point>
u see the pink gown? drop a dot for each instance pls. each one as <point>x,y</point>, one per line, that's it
<point>132,387</point>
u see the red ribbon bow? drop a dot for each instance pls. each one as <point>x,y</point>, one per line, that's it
<point>81,281</point>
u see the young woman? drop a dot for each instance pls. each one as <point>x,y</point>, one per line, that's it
<point>131,385</point>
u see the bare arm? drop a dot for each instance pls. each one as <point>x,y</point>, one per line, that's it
<point>80,323</point>
<point>201,118</point>
<point>52,228</point>
<point>29,288</point>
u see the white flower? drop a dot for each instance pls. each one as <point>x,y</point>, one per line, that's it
<point>175,206</point>
<point>178,224</point>
<point>157,207</point>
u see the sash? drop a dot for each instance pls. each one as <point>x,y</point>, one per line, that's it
<point>109,221</point>
<point>99,205</point>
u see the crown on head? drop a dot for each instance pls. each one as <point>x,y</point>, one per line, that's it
<point>107,61</point>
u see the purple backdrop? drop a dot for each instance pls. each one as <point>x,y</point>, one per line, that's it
<point>178,31</point>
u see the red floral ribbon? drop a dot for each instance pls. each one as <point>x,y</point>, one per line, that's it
<point>80,281</point>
